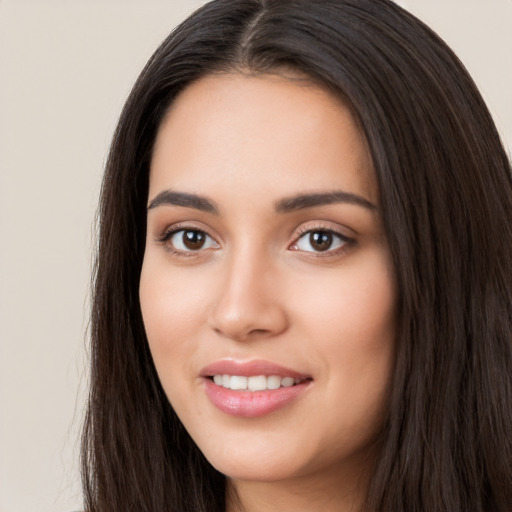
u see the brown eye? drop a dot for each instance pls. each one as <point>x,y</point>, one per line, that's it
<point>193,240</point>
<point>320,240</point>
<point>190,240</point>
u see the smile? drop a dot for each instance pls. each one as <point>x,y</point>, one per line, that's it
<point>254,383</point>
<point>253,388</point>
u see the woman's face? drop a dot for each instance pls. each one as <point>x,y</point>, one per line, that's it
<point>266,266</point>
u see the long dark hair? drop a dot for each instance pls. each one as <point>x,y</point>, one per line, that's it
<point>446,200</point>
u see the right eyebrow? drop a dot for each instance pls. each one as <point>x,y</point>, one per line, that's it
<point>173,198</point>
<point>302,201</point>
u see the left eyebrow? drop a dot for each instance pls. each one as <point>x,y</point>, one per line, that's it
<point>174,198</point>
<point>302,201</point>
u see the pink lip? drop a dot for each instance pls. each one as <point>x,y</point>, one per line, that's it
<point>250,404</point>
<point>248,368</point>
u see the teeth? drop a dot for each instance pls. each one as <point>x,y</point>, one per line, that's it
<point>273,382</point>
<point>237,382</point>
<point>256,383</point>
<point>287,382</point>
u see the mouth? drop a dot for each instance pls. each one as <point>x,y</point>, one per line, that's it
<point>254,382</point>
<point>252,388</point>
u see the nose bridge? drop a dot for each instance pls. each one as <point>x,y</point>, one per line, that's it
<point>248,302</point>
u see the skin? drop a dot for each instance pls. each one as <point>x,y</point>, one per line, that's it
<point>258,289</point>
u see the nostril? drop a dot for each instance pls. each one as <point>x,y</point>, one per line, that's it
<point>247,319</point>
<point>258,331</point>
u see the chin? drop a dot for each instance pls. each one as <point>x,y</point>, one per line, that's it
<point>262,471</point>
<point>257,462</point>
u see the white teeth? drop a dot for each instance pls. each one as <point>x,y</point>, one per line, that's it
<point>237,382</point>
<point>287,382</point>
<point>256,383</point>
<point>273,382</point>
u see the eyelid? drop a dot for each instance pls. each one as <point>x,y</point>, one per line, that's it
<point>164,236</point>
<point>308,227</point>
<point>327,227</point>
<point>170,229</point>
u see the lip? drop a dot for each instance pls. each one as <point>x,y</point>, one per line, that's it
<point>249,368</point>
<point>250,404</point>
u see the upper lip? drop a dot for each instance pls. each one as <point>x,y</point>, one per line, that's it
<point>250,368</point>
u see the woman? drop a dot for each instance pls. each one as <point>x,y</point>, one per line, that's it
<point>302,297</point>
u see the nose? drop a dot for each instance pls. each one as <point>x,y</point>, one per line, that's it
<point>250,304</point>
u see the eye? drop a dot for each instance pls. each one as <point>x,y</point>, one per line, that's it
<point>319,240</point>
<point>189,240</point>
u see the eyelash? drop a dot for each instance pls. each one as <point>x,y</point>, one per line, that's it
<point>347,242</point>
<point>168,234</point>
<point>320,228</point>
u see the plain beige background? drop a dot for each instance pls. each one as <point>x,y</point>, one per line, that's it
<point>66,67</point>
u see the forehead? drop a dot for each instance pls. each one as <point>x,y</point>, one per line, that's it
<point>245,130</point>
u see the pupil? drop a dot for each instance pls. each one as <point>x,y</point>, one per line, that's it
<point>320,240</point>
<point>193,239</point>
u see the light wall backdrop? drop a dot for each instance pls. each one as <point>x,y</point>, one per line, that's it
<point>66,67</point>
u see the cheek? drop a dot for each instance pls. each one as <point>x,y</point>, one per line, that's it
<point>173,310</point>
<point>351,318</point>
<point>171,301</point>
<point>353,308</point>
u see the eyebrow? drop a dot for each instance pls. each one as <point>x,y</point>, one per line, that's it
<point>173,198</point>
<point>302,201</point>
<point>286,205</point>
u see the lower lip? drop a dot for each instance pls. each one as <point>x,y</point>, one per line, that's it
<point>250,404</point>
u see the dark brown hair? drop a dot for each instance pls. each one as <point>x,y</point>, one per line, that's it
<point>446,201</point>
